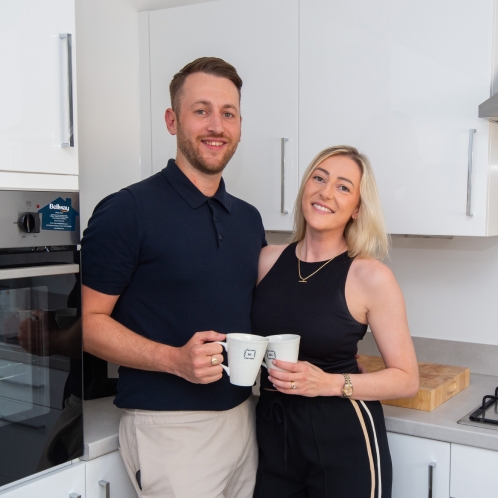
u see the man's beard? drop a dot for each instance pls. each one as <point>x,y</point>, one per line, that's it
<point>188,149</point>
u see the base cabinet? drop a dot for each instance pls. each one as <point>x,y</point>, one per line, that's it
<point>413,475</point>
<point>108,471</point>
<point>68,482</point>
<point>473,472</point>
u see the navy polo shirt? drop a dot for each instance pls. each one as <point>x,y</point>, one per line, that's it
<point>181,263</point>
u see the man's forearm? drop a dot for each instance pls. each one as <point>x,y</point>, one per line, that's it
<point>108,339</point>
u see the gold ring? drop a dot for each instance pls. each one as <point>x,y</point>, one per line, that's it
<point>214,361</point>
<point>293,385</point>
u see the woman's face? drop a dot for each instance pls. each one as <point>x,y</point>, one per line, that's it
<point>332,194</point>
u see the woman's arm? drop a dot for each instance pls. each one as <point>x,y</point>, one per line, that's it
<point>380,298</point>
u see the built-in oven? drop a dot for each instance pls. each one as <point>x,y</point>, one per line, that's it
<point>41,412</point>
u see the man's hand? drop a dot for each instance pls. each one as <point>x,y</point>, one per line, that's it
<point>193,361</point>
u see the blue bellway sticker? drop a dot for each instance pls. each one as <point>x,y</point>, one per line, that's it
<point>59,215</point>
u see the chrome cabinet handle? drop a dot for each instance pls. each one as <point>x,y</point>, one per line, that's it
<point>431,477</point>
<point>74,495</point>
<point>469,172</point>
<point>106,485</point>
<point>282,177</point>
<point>69,45</point>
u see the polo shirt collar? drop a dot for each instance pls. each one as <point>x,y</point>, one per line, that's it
<point>194,197</point>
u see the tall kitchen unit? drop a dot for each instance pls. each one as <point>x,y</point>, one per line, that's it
<point>38,121</point>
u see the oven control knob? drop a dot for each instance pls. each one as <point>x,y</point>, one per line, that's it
<point>29,222</point>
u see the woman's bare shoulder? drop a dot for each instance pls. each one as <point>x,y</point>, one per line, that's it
<point>267,258</point>
<point>371,273</point>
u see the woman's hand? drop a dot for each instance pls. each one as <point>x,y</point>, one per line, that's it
<point>308,380</point>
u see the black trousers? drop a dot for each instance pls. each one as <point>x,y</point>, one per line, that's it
<point>324,447</point>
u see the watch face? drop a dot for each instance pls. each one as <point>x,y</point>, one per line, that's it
<point>347,390</point>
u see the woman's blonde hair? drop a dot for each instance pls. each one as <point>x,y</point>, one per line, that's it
<point>365,237</point>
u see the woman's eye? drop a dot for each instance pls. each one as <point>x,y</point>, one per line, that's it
<point>318,178</point>
<point>343,188</point>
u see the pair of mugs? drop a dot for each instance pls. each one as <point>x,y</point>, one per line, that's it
<point>246,353</point>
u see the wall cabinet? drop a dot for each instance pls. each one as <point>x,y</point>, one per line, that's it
<point>260,38</point>
<point>402,82</point>
<point>110,471</point>
<point>36,118</point>
<point>413,474</point>
<point>363,75</point>
<point>68,482</point>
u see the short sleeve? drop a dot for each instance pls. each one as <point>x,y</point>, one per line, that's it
<point>110,248</point>
<point>264,242</point>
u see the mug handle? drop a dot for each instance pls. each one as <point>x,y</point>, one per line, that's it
<point>225,345</point>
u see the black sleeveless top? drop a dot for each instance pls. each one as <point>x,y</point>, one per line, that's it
<point>316,310</point>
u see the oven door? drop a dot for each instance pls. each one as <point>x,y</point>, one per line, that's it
<point>41,422</point>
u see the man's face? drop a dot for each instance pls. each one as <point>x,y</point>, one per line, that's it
<point>208,122</point>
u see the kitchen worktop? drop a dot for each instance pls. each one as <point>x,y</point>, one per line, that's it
<point>102,420</point>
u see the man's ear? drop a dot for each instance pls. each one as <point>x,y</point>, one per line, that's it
<point>171,121</point>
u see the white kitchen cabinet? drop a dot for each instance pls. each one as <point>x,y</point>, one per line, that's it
<point>109,470</point>
<point>260,38</point>
<point>68,482</point>
<point>402,82</point>
<point>473,472</point>
<point>412,458</point>
<point>35,88</point>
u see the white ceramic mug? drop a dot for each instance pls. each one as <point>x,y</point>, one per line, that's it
<point>283,347</point>
<point>245,354</point>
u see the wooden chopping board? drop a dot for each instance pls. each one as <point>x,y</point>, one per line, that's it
<point>438,383</point>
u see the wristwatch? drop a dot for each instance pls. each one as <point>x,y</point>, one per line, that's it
<point>347,390</point>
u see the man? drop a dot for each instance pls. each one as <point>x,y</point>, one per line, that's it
<point>166,263</point>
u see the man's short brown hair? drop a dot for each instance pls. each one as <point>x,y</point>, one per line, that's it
<point>209,65</point>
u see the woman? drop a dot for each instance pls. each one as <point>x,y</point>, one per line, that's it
<point>320,428</point>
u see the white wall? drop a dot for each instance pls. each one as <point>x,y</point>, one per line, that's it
<point>108,107</point>
<point>450,287</point>
<point>108,95</point>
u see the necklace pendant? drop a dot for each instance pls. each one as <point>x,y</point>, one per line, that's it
<point>302,281</point>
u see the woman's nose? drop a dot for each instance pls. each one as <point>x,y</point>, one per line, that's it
<point>327,192</point>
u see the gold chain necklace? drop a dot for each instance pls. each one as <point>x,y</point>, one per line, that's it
<point>304,280</point>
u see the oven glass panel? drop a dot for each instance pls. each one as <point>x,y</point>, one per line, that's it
<point>41,420</point>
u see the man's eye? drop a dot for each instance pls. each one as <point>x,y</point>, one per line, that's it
<point>227,115</point>
<point>200,111</point>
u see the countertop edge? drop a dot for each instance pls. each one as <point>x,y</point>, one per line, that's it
<point>102,421</point>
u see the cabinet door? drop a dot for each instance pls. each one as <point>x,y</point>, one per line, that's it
<point>402,82</point>
<point>473,472</point>
<point>35,87</point>
<point>412,457</point>
<point>109,468</point>
<point>57,484</point>
<point>260,38</point>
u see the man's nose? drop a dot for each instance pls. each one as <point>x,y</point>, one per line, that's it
<point>215,124</point>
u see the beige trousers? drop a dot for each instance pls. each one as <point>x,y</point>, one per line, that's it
<point>191,454</point>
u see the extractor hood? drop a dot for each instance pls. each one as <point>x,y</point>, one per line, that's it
<point>489,109</point>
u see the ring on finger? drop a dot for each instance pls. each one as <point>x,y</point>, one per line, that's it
<point>214,361</point>
<point>293,385</point>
